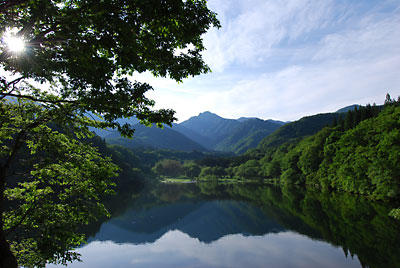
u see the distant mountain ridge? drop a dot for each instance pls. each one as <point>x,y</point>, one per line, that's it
<point>210,125</point>
<point>211,132</point>
<point>221,134</point>
<point>205,132</point>
<point>156,138</point>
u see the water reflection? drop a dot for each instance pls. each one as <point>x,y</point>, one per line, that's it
<point>205,220</point>
<point>212,225</point>
<point>177,249</point>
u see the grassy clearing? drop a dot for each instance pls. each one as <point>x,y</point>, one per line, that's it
<point>177,180</point>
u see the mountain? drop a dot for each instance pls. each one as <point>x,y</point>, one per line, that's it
<point>243,119</point>
<point>193,135</point>
<point>208,131</point>
<point>247,135</point>
<point>154,137</point>
<point>211,126</point>
<point>221,134</point>
<point>149,137</point>
<point>348,108</point>
<point>105,132</point>
<point>306,126</point>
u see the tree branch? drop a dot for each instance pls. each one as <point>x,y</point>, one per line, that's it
<point>12,229</point>
<point>7,85</point>
<point>9,4</point>
<point>19,138</point>
<point>15,81</point>
<point>37,100</point>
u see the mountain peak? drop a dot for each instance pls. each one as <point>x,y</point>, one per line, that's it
<point>209,124</point>
<point>242,119</point>
<point>208,114</point>
<point>348,108</point>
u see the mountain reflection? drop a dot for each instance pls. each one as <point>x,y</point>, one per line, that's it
<point>205,220</point>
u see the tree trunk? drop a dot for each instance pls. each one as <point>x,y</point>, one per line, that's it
<point>7,258</point>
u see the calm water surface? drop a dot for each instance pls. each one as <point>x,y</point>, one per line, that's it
<point>203,225</point>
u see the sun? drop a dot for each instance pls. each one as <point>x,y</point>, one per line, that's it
<point>14,43</point>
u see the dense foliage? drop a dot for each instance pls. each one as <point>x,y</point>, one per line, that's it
<point>54,187</point>
<point>76,66</point>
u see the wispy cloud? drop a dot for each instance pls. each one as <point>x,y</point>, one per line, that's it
<point>249,35</point>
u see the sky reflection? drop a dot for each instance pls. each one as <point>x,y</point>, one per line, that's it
<point>177,249</point>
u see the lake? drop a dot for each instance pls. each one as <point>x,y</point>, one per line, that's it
<point>242,225</point>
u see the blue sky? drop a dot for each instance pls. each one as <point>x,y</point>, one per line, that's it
<point>290,58</point>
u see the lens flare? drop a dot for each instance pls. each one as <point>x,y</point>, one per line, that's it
<point>13,42</point>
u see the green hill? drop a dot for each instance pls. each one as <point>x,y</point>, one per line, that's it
<point>306,126</point>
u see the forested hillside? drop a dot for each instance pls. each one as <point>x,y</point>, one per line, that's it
<point>358,152</point>
<point>306,126</point>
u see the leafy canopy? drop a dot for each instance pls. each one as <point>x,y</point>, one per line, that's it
<point>78,60</point>
<point>85,48</point>
<point>53,189</point>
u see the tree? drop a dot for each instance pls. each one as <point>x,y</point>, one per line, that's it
<point>291,174</point>
<point>83,52</point>
<point>169,167</point>
<point>349,120</point>
<point>85,49</point>
<point>191,169</point>
<point>249,169</point>
<point>52,189</point>
<point>388,100</point>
